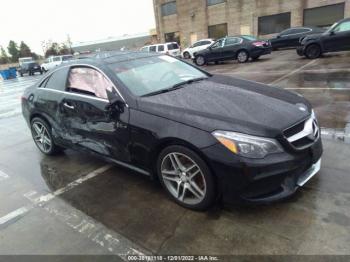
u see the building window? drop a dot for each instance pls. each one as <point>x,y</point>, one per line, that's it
<point>324,16</point>
<point>217,31</point>
<point>215,2</point>
<point>273,23</point>
<point>169,8</point>
<point>172,37</point>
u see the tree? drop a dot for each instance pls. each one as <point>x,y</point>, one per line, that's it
<point>24,50</point>
<point>4,59</point>
<point>13,51</point>
<point>52,49</point>
<point>64,49</point>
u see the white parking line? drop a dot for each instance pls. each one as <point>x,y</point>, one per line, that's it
<point>48,197</point>
<point>14,214</point>
<point>292,73</point>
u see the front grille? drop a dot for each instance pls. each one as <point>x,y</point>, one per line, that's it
<point>303,134</point>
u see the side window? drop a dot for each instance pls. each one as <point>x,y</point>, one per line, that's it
<point>345,26</point>
<point>304,30</point>
<point>206,42</point>
<point>232,41</point>
<point>286,32</point>
<point>218,43</point>
<point>56,59</point>
<point>160,48</point>
<point>57,80</point>
<point>153,48</point>
<point>88,81</point>
<point>197,44</point>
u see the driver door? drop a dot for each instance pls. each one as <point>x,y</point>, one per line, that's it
<point>339,38</point>
<point>87,121</point>
<point>216,51</point>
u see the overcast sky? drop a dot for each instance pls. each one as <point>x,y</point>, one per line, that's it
<point>84,20</point>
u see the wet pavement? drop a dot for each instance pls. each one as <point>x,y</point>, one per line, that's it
<point>77,204</point>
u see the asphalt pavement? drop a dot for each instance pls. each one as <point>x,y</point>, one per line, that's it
<point>76,204</point>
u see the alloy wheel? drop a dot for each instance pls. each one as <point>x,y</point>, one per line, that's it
<point>200,60</point>
<point>183,178</point>
<point>187,55</point>
<point>41,137</point>
<point>313,51</point>
<point>242,56</point>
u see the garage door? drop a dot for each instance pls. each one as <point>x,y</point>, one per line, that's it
<point>324,16</point>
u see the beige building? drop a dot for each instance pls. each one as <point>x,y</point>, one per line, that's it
<point>187,21</point>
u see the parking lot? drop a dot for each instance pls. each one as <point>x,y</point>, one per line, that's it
<point>76,204</point>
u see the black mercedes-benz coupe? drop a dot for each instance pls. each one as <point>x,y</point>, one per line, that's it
<point>239,48</point>
<point>335,39</point>
<point>205,137</point>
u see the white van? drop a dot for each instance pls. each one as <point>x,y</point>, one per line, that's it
<point>171,48</point>
<point>54,61</point>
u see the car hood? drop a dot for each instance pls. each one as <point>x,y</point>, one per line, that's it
<point>225,103</point>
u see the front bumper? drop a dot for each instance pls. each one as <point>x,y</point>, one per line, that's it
<point>300,50</point>
<point>276,177</point>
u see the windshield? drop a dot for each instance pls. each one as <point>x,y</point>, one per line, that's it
<point>331,28</point>
<point>148,75</point>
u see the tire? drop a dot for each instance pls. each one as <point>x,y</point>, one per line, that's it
<point>242,56</point>
<point>194,188</point>
<point>313,51</point>
<point>187,55</point>
<point>21,74</point>
<point>41,72</point>
<point>42,136</point>
<point>200,60</point>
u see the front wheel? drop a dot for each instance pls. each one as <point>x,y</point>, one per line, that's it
<point>242,56</point>
<point>186,178</point>
<point>187,55</point>
<point>313,51</point>
<point>200,60</point>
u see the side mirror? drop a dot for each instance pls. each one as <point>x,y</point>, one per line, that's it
<point>331,33</point>
<point>278,36</point>
<point>115,106</point>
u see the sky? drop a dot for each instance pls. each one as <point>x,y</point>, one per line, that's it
<point>83,20</point>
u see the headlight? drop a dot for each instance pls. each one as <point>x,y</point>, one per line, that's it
<point>246,145</point>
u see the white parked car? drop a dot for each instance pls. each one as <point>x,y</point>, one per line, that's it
<point>172,49</point>
<point>54,61</point>
<point>197,46</point>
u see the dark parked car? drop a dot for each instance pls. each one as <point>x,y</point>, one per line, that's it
<point>291,36</point>
<point>29,68</point>
<point>205,137</point>
<point>336,38</point>
<point>231,48</point>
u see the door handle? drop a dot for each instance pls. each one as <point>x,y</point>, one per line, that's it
<point>68,106</point>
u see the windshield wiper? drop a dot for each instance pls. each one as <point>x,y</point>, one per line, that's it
<point>175,87</point>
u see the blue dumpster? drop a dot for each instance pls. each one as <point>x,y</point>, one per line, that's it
<point>13,72</point>
<point>8,73</point>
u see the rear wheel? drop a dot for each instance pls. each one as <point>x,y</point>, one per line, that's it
<point>186,177</point>
<point>313,51</point>
<point>200,60</point>
<point>42,136</point>
<point>242,56</point>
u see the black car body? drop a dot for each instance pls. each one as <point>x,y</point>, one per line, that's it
<point>29,68</point>
<point>291,37</point>
<point>336,38</point>
<point>231,48</point>
<point>198,120</point>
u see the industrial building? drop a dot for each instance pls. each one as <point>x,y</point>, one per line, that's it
<point>187,21</point>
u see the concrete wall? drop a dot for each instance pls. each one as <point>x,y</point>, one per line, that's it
<point>193,16</point>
